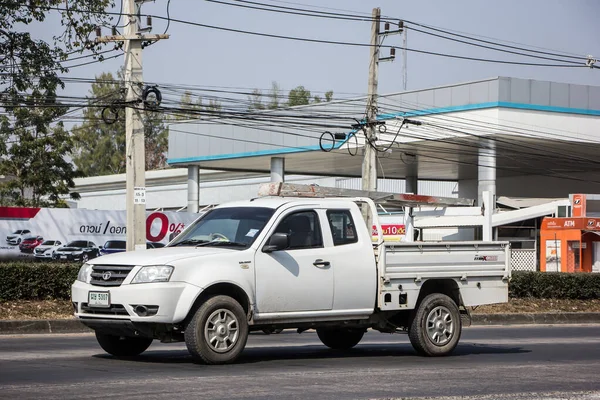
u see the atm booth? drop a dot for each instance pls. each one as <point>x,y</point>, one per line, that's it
<point>570,244</point>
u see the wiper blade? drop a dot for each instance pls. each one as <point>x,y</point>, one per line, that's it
<point>223,243</point>
<point>190,242</point>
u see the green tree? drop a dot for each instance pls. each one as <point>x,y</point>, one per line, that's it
<point>188,108</point>
<point>256,101</point>
<point>298,96</point>
<point>156,137</point>
<point>275,96</point>
<point>195,109</point>
<point>329,95</point>
<point>34,160</point>
<point>29,64</point>
<point>34,147</point>
<point>100,146</point>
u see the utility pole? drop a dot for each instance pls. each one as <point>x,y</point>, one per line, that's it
<point>369,166</point>
<point>404,58</point>
<point>134,126</point>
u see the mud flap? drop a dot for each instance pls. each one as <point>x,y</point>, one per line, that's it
<point>465,316</point>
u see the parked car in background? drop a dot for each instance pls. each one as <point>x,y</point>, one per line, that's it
<point>30,243</point>
<point>113,246</point>
<point>118,246</point>
<point>46,249</point>
<point>77,250</point>
<point>17,236</point>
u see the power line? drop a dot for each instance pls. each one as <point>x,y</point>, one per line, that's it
<point>448,32</point>
<point>413,29</point>
<point>364,45</point>
<point>343,43</point>
<point>296,11</point>
<point>306,12</point>
<point>168,17</point>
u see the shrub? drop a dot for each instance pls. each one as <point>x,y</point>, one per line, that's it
<point>23,280</point>
<point>26,280</point>
<point>555,285</point>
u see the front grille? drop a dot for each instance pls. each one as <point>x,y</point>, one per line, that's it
<point>109,275</point>
<point>114,309</point>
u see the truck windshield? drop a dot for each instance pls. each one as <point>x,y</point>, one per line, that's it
<point>234,226</point>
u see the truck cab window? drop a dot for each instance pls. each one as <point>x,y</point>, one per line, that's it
<point>342,227</point>
<point>303,229</point>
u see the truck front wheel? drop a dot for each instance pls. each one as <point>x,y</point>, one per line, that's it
<point>436,327</point>
<point>340,339</point>
<point>123,346</point>
<point>218,331</point>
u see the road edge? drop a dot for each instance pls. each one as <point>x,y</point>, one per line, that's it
<point>15,327</point>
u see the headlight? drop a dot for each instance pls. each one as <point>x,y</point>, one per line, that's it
<point>156,273</point>
<point>84,273</point>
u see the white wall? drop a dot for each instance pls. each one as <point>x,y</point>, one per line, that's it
<point>174,197</point>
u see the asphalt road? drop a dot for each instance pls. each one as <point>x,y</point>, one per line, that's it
<point>504,362</point>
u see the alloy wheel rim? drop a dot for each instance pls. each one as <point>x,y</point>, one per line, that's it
<point>440,326</point>
<point>221,330</point>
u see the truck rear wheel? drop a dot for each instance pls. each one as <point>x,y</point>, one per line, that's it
<point>218,331</point>
<point>340,339</point>
<point>436,326</point>
<point>123,346</point>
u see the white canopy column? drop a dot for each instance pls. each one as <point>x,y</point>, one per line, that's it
<point>277,169</point>
<point>193,188</point>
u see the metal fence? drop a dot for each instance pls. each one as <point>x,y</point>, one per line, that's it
<point>523,260</point>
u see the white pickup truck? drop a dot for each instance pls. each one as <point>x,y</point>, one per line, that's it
<point>277,263</point>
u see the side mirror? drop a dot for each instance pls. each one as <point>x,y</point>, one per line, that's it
<point>279,241</point>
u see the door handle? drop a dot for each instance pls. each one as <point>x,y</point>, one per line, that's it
<point>321,263</point>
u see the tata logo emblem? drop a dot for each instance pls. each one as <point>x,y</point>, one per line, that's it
<point>577,201</point>
<point>591,223</point>
<point>106,276</point>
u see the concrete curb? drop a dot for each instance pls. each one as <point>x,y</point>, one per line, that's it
<point>534,318</point>
<point>9,327</point>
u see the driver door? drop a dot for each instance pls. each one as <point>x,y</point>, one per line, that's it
<point>298,278</point>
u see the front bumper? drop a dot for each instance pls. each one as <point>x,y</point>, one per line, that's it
<point>42,255</point>
<point>68,257</point>
<point>173,299</point>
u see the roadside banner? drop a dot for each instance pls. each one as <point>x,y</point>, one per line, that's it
<point>66,225</point>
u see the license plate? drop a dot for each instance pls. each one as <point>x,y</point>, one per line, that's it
<point>63,257</point>
<point>99,299</point>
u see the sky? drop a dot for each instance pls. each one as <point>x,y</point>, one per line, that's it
<point>207,57</point>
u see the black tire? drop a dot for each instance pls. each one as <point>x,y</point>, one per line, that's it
<point>123,346</point>
<point>218,331</point>
<point>436,326</point>
<point>85,257</point>
<point>340,339</point>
